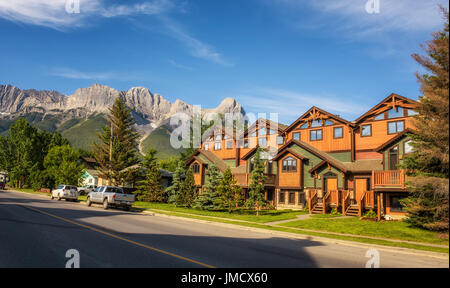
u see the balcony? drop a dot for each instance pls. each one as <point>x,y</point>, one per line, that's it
<point>389,179</point>
<point>245,179</point>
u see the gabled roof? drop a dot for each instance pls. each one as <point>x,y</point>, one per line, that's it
<point>269,123</point>
<point>289,150</point>
<point>316,113</point>
<point>211,157</point>
<point>365,165</point>
<point>394,139</point>
<point>320,154</point>
<point>391,101</point>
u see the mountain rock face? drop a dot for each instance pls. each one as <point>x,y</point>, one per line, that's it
<point>52,110</point>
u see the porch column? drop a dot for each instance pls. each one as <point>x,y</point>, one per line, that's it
<point>378,207</point>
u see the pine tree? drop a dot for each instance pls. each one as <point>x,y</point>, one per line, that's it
<point>209,199</point>
<point>150,189</point>
<point>428,205</point>
<point>188,191</point>
<point>117,149</point>
<point>174,189</point>
<point>256,188</point>
<point>230,194</point>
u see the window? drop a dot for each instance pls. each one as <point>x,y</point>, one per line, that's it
<point>316,123</point>
<point>408,147</point>
<point>280,140</point>
<point>301,198</point>
<point>396,206</point>
<point>395,113</point>
<point>366,130</point>
<point>253,134</point>
<point>206,147</point>
<point>196,168</point>
<point>246,143</point>
<point>296,136</point>
<point>272,132</point>
<point>292,198</point>
<point>218,137</point>
<point>229,144</point>
<point>412,112</point>
<point>304,126</point>
<point>337,132</point>
<point>396,127</point>
<point>262,142</point>
<point>379,117</point>
<point>269,167</point>
<point>262,132</point>
<point>252,165</point>
<point>282,198</point>
<point>217,145</point>
<point>315,135</point>
<point>328,123</point>
<point>289,165</point>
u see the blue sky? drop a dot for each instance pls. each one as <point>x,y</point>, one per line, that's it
<point>271,55</point>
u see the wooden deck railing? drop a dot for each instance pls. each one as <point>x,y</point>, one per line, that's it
<point>326,201</point>
<point>389,178</point>
<point>244,179</point>
<point>346,201</point>
<point>367,200</point>
<point>312,199</point>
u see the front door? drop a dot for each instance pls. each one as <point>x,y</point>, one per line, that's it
<point>360,188</point>
<point>393,158</point>
<point>332,184</point>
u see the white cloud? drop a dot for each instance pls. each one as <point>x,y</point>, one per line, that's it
<point>178,65</point>
<point>53,14</point>
<point>75,74</point>
<point>290,104</point>
<point>351,16</point>
<point>196,47</point>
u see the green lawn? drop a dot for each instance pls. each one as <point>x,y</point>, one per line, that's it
<point>388,229</point>
<point>264,217</point>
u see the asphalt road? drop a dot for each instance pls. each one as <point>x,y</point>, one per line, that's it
<point>37,232</point>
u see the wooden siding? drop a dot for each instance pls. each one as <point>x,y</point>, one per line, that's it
<point>290,179</point>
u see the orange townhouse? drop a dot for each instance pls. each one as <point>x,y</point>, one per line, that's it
<point>322,161</point>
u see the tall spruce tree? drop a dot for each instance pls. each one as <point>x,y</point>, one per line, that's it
<point>188,191</point>
<point>174,189</point>
<point>117,149</point>
<point>150,189</point>
<point>428,206</point>
<point>256,188</point>
<point>229,192</point>
<point>209,198</point>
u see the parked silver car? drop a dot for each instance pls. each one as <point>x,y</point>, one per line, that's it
<point>110,196</point>
<point>86,189</point>
<point>67,192</point>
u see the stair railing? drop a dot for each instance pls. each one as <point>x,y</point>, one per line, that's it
<point>362,203</point>
<point>326,201</point>
<point>312,201</point>
<point>345,201</point>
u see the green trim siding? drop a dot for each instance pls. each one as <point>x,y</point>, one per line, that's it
<point>342,156</point>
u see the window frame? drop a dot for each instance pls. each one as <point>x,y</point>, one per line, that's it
<point>282,195</point>
<point>282,140</point>
<point>217,143</point>
<point>342,132</point>
<point>196,170</point>
<point>290,193</point>
<point>370,125</point>
<point>289,170</point>
<point>316,130</point>
<point>296,133</point>
<point>228,142</point>
<point>397,110</point>
<point>396,127</point>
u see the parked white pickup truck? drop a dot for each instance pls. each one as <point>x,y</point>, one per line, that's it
<point>110,196</point>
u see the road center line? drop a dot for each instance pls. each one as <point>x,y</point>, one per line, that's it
<point>118,237</point>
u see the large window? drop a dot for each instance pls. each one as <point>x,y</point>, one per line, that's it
<point>206,146</point>
<point>412,112</point>
<point>338,132</point>
<point>217,145</point>
<point>304,126</point>
<point>395,113</point>
<point>328,123</point>
<point>291,198</point>
<point>366,130</point>
<point>396,206</point>
<point>229,144</point>
<point>396,127</point>
<point>315,135</point>
<point>296,136</point>
<point>282,198</point>
<point>280,140</point>
<point>408,147</point>
<point>379,117</point>
<point>289,165</point>
<point>301,198</point>
<point>196,168</point>
<point>316,123</point>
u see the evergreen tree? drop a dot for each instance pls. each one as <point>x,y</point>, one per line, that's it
<point>256,188</point>
<point>188,191</point>
<point>209,198</point>
<point>230,194</point>
<point>117,149</point>
<point>428,205</point>
<point>174,189</point>
<point>150,189</point>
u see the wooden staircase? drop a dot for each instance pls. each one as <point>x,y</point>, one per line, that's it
<point>352,210</point>
<point>318,209</point>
